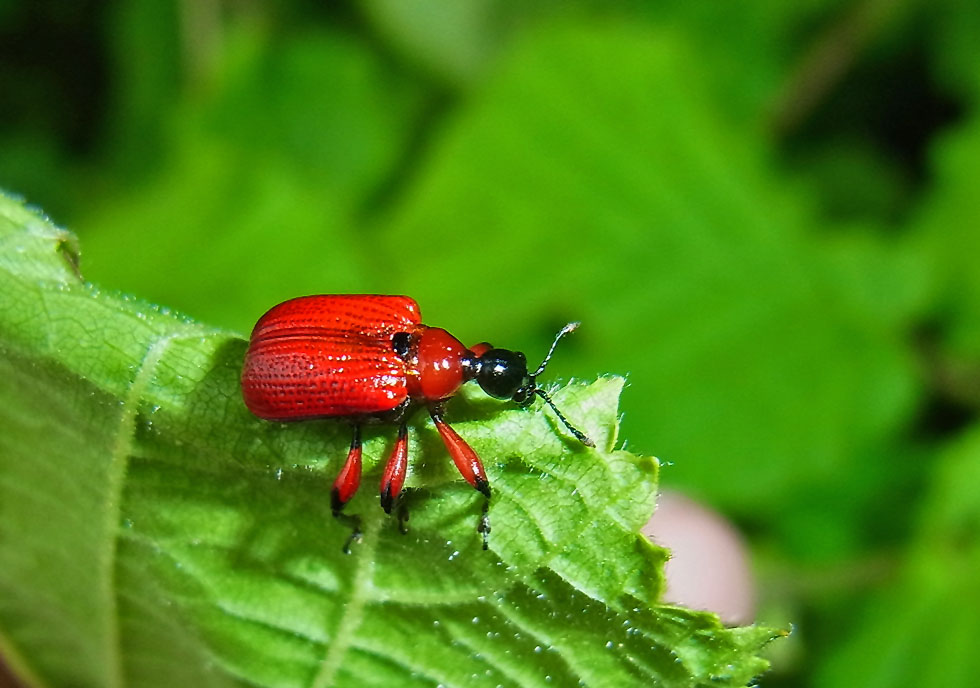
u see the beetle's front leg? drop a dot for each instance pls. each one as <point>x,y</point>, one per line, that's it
<point>468,464</point>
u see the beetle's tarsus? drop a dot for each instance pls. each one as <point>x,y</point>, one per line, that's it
<point>354,536</point>
<point>402,519</point>
<point>484,527</point>
<point>354,523</point>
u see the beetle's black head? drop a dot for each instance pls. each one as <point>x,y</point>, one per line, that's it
<point>502,373</point>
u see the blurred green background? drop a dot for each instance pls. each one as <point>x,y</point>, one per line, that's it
<point>765,214</point>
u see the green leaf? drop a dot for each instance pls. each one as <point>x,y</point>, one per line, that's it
<point>946,231</point>
<point>460,42</point>
<point>953,26</point>
<point>154,533</point>
<point>921,630</point>
<point>453,40</point>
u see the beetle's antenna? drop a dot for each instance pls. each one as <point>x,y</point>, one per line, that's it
<point>579,435</point>
<point>570,327</point>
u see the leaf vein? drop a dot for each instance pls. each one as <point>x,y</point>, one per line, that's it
<point>361,586</point>
<point>115,478</point>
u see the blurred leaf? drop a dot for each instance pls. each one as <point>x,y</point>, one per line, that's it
<point>591,180</point>
<point>453,39</point>
<point>749,51</point>
<point>921,631</point>
<point>154,533</point>
<point>148,55</point>
<point>33,164</point>
<point>855,181</point>
<point>956,25</point>
<point>322,100</point>
<point>886,283</point>
<point>459,42</point>
<point>948,232</point>
<point>263,183</point>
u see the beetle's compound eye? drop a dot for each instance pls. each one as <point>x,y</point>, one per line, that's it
<point>401,343</point>
<point>502,373</point>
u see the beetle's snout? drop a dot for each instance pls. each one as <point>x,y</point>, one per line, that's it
<point>524,396</point>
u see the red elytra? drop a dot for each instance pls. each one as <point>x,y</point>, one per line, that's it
<point>369,358</point>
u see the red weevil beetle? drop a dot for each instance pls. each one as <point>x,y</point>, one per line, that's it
<point>369,358</point>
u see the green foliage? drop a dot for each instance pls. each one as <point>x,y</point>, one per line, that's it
<point>935,604</point>
<point>764,214</point>
<point>155,533</point>
<point>947,233</point>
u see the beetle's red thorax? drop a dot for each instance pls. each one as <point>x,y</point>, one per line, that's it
<point>438,367</point>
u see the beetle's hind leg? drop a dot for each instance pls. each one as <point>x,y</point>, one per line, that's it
<point>344,487</point>
<point>468,464</point>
